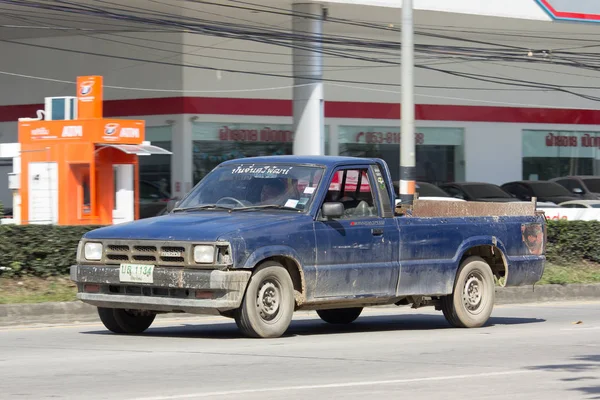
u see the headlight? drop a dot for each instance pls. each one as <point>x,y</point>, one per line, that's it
<point>204,254</point>
<point>93,251</point>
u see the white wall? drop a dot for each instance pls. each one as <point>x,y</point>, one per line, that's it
<point>66,66</point>
<point>213,52</point>
<point>5,194</point>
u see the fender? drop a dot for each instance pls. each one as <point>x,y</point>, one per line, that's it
<point>480,241</point>
<point>272,251</point>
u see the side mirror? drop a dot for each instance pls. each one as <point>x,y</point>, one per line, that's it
<point>333,210</point>
<point>171,204</point>
<point>578,191</point>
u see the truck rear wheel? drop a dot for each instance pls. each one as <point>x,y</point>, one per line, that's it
<point>340,315</point>
<point>472,300</point>
<point>268,305</point>
<point>125,321</point>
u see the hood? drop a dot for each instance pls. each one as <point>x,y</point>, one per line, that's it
<point>197,226</point>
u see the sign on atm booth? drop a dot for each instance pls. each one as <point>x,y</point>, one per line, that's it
<point>91,131</point>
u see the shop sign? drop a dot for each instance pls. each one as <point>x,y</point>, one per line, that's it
<point>544,143</point>
<point>265,134</point>
<point>385,137</point>
<point>391,135</point>
<point>245,132</point>
<point>586,140</point>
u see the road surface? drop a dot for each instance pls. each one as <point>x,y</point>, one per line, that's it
<point>535,351</point>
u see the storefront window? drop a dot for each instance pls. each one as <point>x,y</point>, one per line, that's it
<point>439,151</point>
<point>214,143</point>
<point>552,154</point>
<point>156,169</point>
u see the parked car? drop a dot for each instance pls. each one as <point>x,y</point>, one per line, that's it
<point>585,187</point>
<point>544,191</point>
<point>153,200</point>
<point>477,191</point>
<point>581,204</point>
<point>428,191</point>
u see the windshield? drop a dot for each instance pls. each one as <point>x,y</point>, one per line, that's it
<point>548,189</point>
<point>255,186</point>
<point>482,191</point>
<point>428,190</point>
<point>593,185</point>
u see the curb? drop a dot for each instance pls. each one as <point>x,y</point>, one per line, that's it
<point>548,293</point>
<point>73,312</point>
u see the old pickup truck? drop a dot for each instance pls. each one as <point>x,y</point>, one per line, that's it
<point>259,238</point>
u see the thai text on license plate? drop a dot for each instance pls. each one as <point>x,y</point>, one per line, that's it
<point>136,273</point>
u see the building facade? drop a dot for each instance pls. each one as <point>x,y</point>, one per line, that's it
<point>208,99</point>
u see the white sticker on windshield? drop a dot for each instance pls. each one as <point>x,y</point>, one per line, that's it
<point>309,190</point>
<point>291,203</point>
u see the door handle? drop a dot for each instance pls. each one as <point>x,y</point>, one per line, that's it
<point>377,231</point>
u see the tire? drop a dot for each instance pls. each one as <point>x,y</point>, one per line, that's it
<point>268,305</point>
<point>340,315</point>
<point>133,321</point>
<point>107,317</point>
<point>125,321</point>
<point>474,311</point>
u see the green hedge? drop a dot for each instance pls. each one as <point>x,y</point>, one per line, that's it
<point>38,250</point>
<point>574,241</point>
<point>45,250</point>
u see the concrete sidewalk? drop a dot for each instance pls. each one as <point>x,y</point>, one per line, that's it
<point>78,312</point>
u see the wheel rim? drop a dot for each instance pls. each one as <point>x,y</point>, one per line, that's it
<point>268,300</point>
<point>474,293</point>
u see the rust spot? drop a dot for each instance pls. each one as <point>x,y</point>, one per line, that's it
<point>180,279</point>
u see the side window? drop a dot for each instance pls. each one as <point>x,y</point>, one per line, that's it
<point>148,192</point>
<point>352,188</point>
<point>520,191</point>
<point>573,206</point>
<point>454,192</point>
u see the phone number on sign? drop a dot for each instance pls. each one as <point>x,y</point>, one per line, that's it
<point>385,137</point>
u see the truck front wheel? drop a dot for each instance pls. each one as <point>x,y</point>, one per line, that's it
<point>268,305</point>
<point>472,300</point>
<point>125,321</point>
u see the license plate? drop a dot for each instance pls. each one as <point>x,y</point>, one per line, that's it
<point>136,273</point>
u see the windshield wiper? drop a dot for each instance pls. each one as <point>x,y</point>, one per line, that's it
<point>267,206</point>
<point>203,207</point>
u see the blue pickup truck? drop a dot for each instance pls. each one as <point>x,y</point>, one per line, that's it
<point>259,238</point>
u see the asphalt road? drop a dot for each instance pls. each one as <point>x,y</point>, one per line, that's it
<point>534,351</point>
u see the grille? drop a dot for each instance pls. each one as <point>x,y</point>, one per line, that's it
<point>119,248</point>
<point>154,254</point>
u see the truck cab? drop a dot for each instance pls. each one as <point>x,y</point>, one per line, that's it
<point>259,238</point>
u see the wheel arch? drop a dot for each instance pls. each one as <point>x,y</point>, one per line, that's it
<point>289,259</point>
<point>491,250</point>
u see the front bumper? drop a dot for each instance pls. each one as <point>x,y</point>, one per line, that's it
<point>173,289</point>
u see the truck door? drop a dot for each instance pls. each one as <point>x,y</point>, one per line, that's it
<point>356,253</point>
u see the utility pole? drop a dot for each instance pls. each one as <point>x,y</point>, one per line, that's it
<point>407,132</point>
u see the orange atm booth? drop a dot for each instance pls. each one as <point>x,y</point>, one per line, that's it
<point>78,168</point>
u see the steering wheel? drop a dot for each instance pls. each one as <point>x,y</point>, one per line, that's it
<point>231,198</point>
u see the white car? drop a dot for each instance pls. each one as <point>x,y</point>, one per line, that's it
<point>581,204</point>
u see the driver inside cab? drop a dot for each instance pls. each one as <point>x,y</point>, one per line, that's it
<point>271,191</point>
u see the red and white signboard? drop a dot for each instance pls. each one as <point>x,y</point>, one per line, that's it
<point>572,10</point>
<point>572,214</point>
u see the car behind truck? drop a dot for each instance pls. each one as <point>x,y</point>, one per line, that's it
<point>259,238</point>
